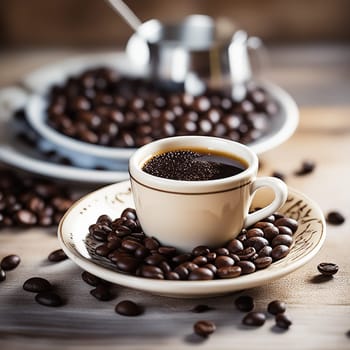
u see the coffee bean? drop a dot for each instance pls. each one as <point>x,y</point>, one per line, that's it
<point>270,232</point>
<point>276,307</point>
<point>172,275</point>
<point>25,217</point>
<point>282,239</point>
<point>229,272</point>
<point>37,285</point>
<point>262,262</point>
<point>201,308</point>
<point>57,255</point>
<point>223,261</point>
<point>204,328</point>
<point>255,232</point>
<point>283,321</point>
<point>256,242</point>
<point>49,299</point>
<point>247,253</point>
<point>279,252</point>
<point>289,222</point>
<point>263,225</point>
<point>253,318</point>
<point>200,250</point>
<point>246,266</point>
<point>244,303</point>
<point>10,262</point>
<point>211,267</point>
<point>335,218</point>
<point>182,272</point>
<point>200,260</point>
<point>149,271</point>
<point>130,245</point>
<point>128,308</point>
<point>328,269</point>
<point>284,230</point>
<point>234,246</point>
<point>201,273</point>
<point>154,259</point>
<point>102,292</point>
<point>2,275</point>
<point>179,259</point>
<point>103,250</point>
<point>91,279</point>
<point>167,251</point>
<point>151,243</point>
<point>127,264</point>
<point>222,251</point>
<point>307,167</point>
<point>266,251</point>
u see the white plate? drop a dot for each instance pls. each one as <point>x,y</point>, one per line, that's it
<point>113,199</point>
<point>282,125</point>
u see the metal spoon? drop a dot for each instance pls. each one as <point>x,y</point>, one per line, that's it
<point>126,13</point>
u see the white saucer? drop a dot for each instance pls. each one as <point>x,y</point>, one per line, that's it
<point>113,199</point>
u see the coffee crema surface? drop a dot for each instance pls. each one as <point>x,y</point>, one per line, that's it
<point>194,165</point>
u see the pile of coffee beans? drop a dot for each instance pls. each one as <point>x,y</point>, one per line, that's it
<point>101,107</point>
<point>123,243</point>
<point>29,202</point>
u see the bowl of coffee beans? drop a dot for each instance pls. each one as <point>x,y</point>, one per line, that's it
<point>101,113</point>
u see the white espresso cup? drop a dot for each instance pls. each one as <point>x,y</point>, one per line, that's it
<point>186,214</point>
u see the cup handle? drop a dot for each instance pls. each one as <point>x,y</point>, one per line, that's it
<point>281,192</point>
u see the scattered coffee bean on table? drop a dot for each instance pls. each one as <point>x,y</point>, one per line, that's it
<point>57,256</point>
<point>244,303</point>
<point>10,262</point>
<point>307,167</point>
<point>37,285</point>
<point>28,202</point>
<point>128,308</point>
<point>204,328</point>
<point>102,292</point>
<point>49,299</point>
<point>276,307</point>
<point>2,275</point>
<point>283,321</point>
<point>91,279</point>
<point>101,107</point>
<point>123,243</point>
<point>327,269</point>
<point>201,308</point>
<point>253,318</point>
<point>335,218</point>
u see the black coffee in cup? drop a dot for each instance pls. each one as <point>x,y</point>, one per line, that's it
<point>194,165</point>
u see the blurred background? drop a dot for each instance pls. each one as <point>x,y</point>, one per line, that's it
<point>314,34</point>
<point>92,23</point>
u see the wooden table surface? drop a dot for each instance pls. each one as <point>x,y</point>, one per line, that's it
<point>320,311</point>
